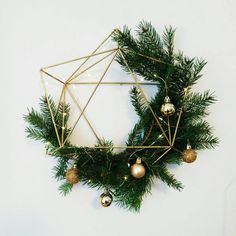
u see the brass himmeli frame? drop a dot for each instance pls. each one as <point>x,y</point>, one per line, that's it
<point>67,91</point>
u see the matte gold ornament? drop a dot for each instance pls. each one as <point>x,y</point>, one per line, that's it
<point>106,199</point>
<point>138,170</point>
<point>189,155</point>
<point>167,109</point>
<point>72,176</point>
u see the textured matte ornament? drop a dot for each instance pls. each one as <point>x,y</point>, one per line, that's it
<point>167,109</point>
<point>72,176</point>
<point>138,170</point>
<point>189,155</point>
<point>106,199</point>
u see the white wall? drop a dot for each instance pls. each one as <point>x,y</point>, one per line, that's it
<point>36,33</point>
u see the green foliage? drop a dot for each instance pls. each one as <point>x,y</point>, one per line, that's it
<point>138,101</point>
<point>41,124</point>
<point>102,169</point>
<point>59,170</point>
<point>65,188</point>
<point>163,173</point>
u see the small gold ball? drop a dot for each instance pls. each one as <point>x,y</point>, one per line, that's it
<point>138,170</point>
<point>106,199</point>
<point>189,155</point>
<point>167,109</point>
<point>72,176</point>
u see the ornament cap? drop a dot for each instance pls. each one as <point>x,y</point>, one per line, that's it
<point>138,160</point>
<point>167,99</point>
<point>189,146</point>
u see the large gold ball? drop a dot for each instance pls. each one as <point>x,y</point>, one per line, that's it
<point>106,199</point>
<point>189,155</point>
<point>138,170</point>
<point>167,109</point>
<point>72,176</point>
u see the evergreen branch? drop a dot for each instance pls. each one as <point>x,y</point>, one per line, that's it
<point>168,42</point>
<point>35,119</point>
<point>149,40</point>
<point>130,193</point>
<point>196,104</point>
<point>197,68</point>
<point>171,158</point>
<point>138,101</point>
<point>124,38</point>
<point>35,134</point>
<point>60,169</point>
<point>165,176</point>
<point>65,188</point>
<point>136,135</point>
<point>199,134</point>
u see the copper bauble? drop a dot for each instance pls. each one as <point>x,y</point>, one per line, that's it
<point>189,155</point>
<point>138,169</point>
<point>72,176</point>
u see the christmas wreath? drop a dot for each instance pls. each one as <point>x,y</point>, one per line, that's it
<point>171,126</point>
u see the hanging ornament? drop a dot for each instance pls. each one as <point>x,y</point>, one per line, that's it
<point>167,109</point>
<point>72,176</point>
<point>189,155</point>
<point>106,199</point>
<point>138,170</point>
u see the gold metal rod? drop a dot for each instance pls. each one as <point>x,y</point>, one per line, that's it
<point>79,58</point>
<point>52,76</point>
<point>116,82</point>
<point>131,147</point>
<point>169,127</point>
<point>176,128</point>
<point>177,150</point>
<point>89,67</point>
<point>61,95</point>
<point>80,108</point>
<point>151,58</point>
<point>63,116</point>
<point>91,96</point>
<point>95,54</point>
<point>145,98</point>
<point>91,54</point>
<point>49,106</point>
<point>162,155</point>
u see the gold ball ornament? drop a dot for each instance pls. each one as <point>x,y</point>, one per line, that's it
<point>189,155</point>
<point>72,176</point>
<point>106,199</point>
<point>167,109</point>
<point>138,170</point>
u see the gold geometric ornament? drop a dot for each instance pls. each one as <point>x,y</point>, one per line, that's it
<point>86,64</point>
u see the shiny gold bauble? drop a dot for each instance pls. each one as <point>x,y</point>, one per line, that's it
<point>138,170</point>
<point>167,109</point>
<point>106,199</point>
<point>72,176</point>
<point>189,155</point>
